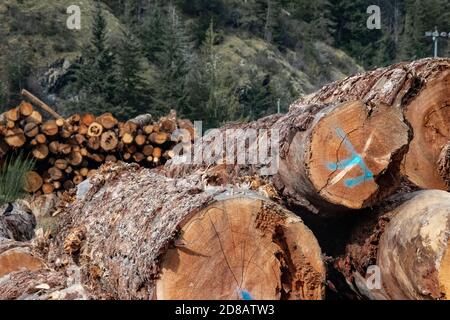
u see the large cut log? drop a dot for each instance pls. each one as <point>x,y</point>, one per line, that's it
<point>336,156</point>
<point>170,233</point>
<point>17,256</point>
<point>402,250</point>
<point>422,90</point>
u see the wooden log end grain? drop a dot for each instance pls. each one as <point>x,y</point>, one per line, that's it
<point>348,156</point>
<point>408,241</point>
<point>25,109</point>
<point>18,259</point>
<point>255,247</point>
<point>33,182</point>
<point>429,115</point>
<point>15,137</point>
<point>222,235</point>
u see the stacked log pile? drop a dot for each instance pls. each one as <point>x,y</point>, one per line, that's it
<point>68,151</point>
<point>357,151</point>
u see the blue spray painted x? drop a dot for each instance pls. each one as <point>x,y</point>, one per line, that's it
<point>355,159</point>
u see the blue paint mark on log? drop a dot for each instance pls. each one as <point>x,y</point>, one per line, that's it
<point>245,295</point>
<point>355,159</point>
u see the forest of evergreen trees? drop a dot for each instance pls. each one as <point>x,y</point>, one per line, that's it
<point>179,38</point>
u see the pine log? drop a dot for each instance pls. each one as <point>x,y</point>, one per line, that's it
<point>87,119</point>
<point>95,130</point>
<point>55,173</point>
<point>47,188</point>
<point>140,139</point>
<point>31,129</point>
<point>33,182</point>
<point>333,156</point>
<point>25,109</point>
<point>17,256</point>
<point>159,137</point>
<point>107,120</point>
<point>40,152</point>
<point>409,241</point>
<point>172,231</point>
<point>127,138</point>
<point>41,138</point>
<point>109,141</point>
<point>422,90</point>
<point>75,158</point>
<point>35,117</point>
<point>54,147</point>
<point>94,143</point>
<point>142,120</point>
<point>50,128</point>
<point>61,164</point>
<point>15,137</point>
<point>12,114</point>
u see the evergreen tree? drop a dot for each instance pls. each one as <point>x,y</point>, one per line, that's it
<point>131,94</point>
<point>173,60</point>
<point>214,92</point>
<point>152,32</point>
<point>94,76</point>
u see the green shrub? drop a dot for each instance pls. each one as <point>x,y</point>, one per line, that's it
<point>13,177</point>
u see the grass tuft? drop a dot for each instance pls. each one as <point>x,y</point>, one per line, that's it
<point>13,178</point>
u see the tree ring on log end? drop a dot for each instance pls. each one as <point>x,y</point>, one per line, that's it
<point>242,248</point>
<point>353,150</point>
<point>429,116</point>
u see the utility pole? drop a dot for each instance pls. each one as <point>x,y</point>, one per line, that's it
<point>435,36</point>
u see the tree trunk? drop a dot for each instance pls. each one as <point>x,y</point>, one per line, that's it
<point>336,156</point>
<point>422,90</point>
<point>171,233</point>
<point>408,240</point>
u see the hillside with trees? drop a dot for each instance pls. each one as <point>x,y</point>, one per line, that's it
<point>214,60</point>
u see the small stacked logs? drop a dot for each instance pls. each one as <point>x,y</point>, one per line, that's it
<point>69,150</point>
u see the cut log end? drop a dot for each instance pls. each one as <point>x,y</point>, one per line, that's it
<point>413,254</point>
<point>18,259</point>
<point>429,115</point>
<point>352,149</point>
<point>255,252</point>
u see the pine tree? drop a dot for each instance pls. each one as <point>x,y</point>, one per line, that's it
<point>173,61</point>
<point>152,32</point>
<point>94,76</point>
<point>214,92</point>
<point>131,94</point>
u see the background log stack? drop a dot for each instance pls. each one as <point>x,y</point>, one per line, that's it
<point>67,151</point>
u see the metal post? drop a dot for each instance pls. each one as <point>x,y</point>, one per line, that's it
<point>435,36</point>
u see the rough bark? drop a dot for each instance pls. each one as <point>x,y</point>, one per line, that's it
<point>156,242</point>
<point>421,89</point>
<point>336,156</point>
<point>16,222</point>
<point>408,239</point>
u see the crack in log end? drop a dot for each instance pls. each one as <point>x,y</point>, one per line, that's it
<point>444,165</point>
<point>299,280</point>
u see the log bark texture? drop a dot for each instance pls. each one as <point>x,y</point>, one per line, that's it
<point>421,89</point>
<point>135,234</point>
<point>408,240</point>
<point>336,156</point>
